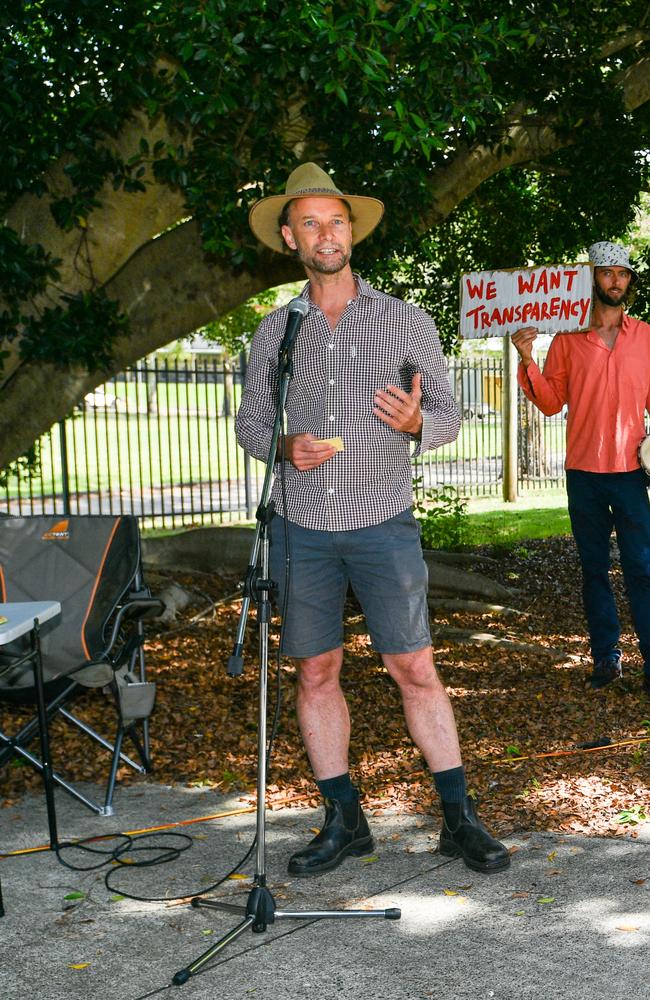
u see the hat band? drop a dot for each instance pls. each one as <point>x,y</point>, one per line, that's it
<point>297,194</point>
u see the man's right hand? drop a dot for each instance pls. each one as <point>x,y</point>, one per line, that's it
<point>306,452</point>
<point>523,341</point>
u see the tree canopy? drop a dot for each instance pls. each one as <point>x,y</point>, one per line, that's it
<point>136,135</point>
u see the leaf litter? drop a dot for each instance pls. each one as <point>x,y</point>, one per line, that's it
<point>204,727</point>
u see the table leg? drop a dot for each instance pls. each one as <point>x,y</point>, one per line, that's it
<point>44,735</point>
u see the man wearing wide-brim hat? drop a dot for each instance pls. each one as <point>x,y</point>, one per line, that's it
<point>369,380</point>
<point>603,376</point>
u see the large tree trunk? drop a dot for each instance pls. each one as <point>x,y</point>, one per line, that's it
<point>164,301</point>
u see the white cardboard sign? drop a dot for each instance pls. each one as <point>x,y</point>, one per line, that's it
<point>556,298</point>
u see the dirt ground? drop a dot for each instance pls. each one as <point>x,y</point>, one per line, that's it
<point>516,680</point>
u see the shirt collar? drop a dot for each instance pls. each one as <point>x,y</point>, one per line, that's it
<point>364,290</point>
<point>628,322</point>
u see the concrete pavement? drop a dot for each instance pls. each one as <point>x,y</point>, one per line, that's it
<point>569,920</point>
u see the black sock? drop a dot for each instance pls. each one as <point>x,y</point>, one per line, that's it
<point>339,788</point>
<point>450,784</point>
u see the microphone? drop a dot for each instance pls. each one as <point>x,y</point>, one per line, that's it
<point>297,310</point>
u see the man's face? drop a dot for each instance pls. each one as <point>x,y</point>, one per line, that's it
<point>321,232</point>
<point>611,284</point>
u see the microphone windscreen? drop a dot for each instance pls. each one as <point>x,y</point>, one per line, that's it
<point>298,305</point>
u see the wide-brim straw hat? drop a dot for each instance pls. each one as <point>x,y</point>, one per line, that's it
<point>606,254</point>
<point>310,181</point>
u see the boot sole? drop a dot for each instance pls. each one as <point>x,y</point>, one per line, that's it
<point>354,850</point>
<point>450,851</point>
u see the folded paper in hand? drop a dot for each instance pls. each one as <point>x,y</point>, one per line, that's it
<point>336,442</point>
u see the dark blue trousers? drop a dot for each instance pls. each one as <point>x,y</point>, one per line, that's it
<point>598,503</point>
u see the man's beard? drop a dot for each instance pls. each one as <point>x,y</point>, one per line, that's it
<point>325,265</point>
<point>609,300</point>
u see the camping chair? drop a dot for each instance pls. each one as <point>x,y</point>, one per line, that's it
<point>92,567</point>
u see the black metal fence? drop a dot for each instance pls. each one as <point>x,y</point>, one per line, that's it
<point>158,441</point>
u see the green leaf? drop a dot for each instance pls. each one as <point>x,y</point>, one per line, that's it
<point>632,816</point>
<point>341,94</point>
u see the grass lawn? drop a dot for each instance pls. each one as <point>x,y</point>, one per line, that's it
<point>491,521</point>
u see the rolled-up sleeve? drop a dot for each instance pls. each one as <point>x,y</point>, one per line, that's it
<point>440,414</point>
<point>548,391</point>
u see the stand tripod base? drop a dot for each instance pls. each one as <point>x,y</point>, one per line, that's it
<point>260,910</point>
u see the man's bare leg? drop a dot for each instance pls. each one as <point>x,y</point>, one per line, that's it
<point>325,726</point>
<point>427,709</point>
<point>430,720</point>
<point>323,714</point>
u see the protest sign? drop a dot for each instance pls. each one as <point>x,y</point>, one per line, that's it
<point>554,298</point>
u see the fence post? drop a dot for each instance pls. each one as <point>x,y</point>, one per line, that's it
<point>65,477</point>
<point>509,420</point>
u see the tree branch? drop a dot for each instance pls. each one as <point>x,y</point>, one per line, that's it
<point>121,223</point>
<point>523,143</point>
<point>168,289</point>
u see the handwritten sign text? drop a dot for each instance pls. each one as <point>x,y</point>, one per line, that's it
<point>553,298</point>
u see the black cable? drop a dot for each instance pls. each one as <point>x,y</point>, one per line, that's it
<point>131,844</point>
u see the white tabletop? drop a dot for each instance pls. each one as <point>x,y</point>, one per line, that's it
<point>20,617</point>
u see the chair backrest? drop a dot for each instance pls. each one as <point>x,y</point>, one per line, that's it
<point>87,563</point>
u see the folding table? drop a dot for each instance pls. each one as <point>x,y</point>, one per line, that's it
<point>16,620</point>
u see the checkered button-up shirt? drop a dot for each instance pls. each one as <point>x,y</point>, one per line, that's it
<point>378,341</point>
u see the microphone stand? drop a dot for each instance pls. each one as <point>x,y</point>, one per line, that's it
<point>260,909</point>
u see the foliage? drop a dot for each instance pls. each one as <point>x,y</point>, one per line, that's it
<point>219,100</point>
<point>442,516</point>
<point>235,330</point>
<point>25,467</point>
<point>525,216</point>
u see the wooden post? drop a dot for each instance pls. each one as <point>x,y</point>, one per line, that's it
<point>509,420</point>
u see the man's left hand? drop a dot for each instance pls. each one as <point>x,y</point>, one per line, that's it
<point>399,409</point>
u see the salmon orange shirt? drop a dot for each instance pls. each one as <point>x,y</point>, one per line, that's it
<point>606,391</point>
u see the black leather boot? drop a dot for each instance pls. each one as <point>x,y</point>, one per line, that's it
<point>464,836</point>
<point>345,831</point>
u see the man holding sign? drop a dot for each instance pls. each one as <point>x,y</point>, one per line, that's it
<point>603,376</point>
<point>369,379</point>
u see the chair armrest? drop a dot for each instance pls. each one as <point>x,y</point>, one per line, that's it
<point>135,609</point>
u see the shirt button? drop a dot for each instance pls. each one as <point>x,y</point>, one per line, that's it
<point>331,416</point>
<point>331,381</point>
<point>331,347</point>
<point>331,491</point>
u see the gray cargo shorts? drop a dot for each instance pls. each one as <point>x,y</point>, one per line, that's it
<point>385,568</point>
